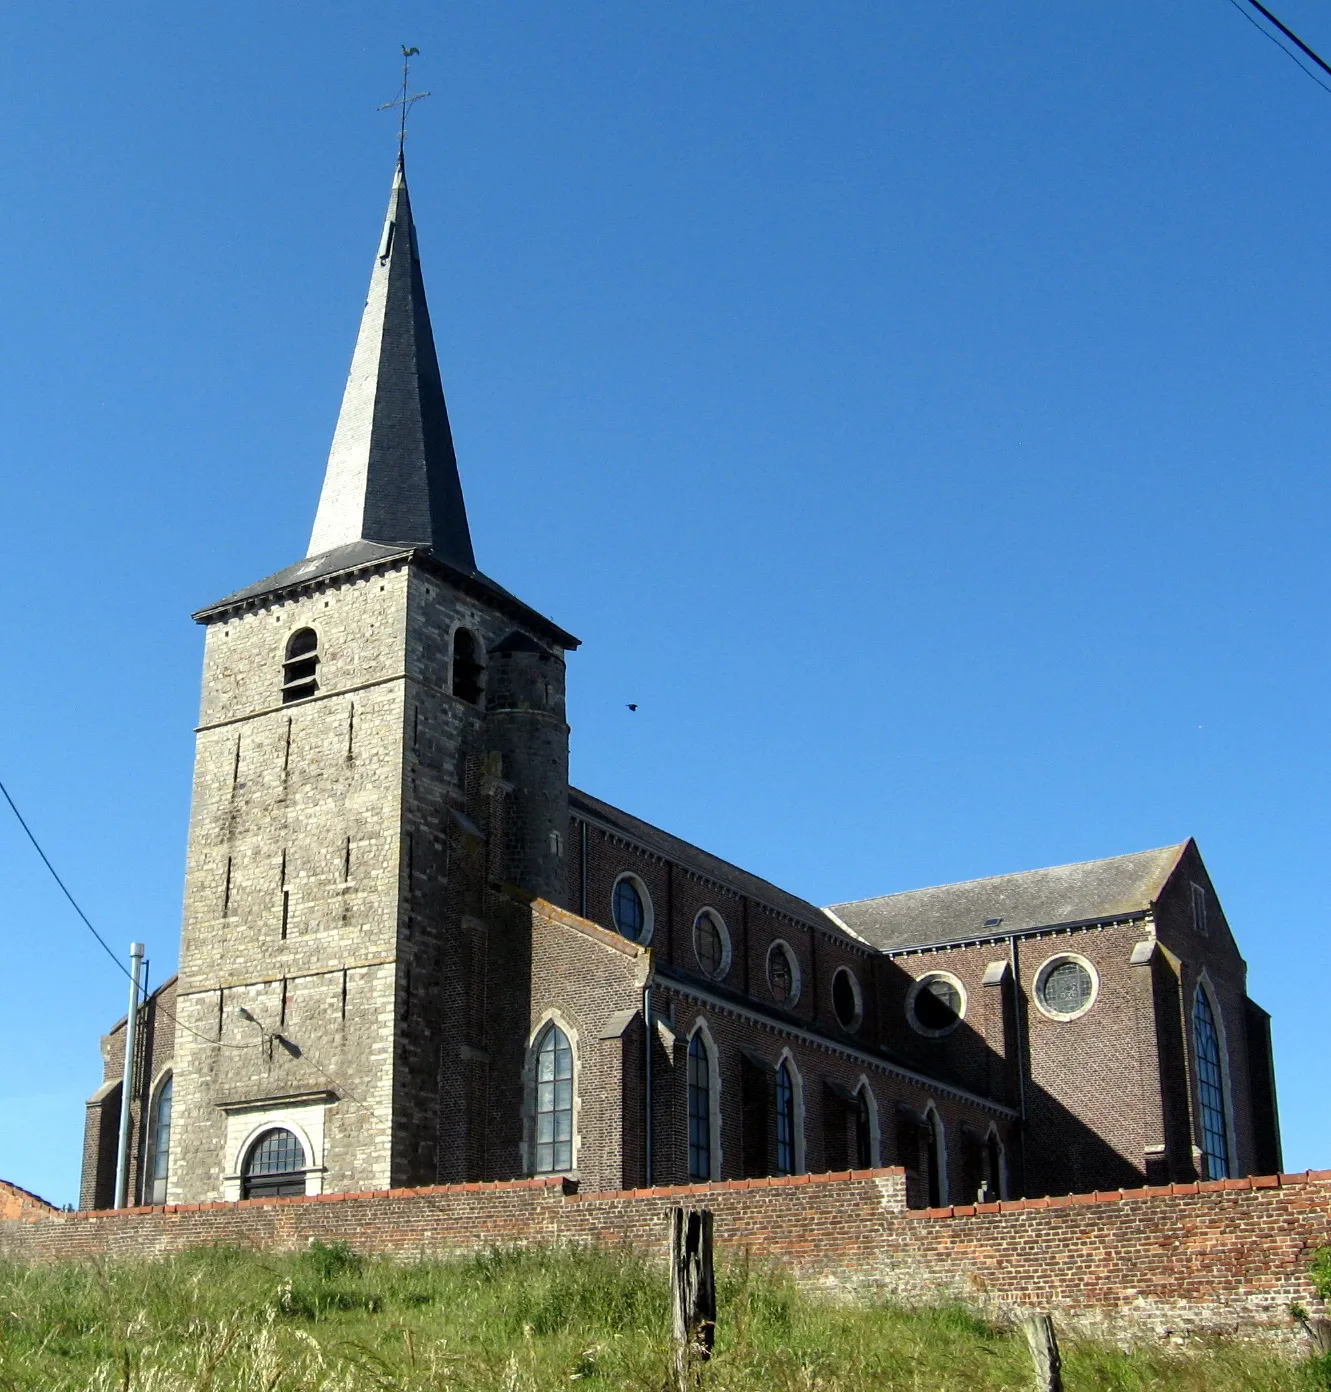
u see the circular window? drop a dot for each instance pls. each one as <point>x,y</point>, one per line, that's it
<point>632,909</point>
<point>1066,986</point>
<point>783,973</point>
<point>846,999</point>
<point>711,943</point>
<point>936,1004</point>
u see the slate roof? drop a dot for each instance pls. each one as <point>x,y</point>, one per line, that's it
<point>713,867</point>
<point>392,473</point>
<point>1091,891</point>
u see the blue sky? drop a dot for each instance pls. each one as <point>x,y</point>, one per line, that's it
<point>919,411</point>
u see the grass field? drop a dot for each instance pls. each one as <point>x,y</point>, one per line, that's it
<point>229,1321</point>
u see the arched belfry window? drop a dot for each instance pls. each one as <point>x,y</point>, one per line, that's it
<point>159,1145</point>
<point>467,667</point>
<point>300,668</point>
<point>554,1102</point>
<point>700,1108</point>
<point>1211,1085</point>
<point>274,1166</point>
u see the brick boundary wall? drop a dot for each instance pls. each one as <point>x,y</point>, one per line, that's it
<point>1175,1262</point>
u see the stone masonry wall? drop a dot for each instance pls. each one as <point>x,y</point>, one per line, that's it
<point>1175,1262</point>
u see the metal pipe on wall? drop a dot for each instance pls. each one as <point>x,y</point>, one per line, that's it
<point>127,1085</point>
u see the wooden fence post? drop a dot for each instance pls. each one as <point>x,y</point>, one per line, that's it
<point>692,1295</point>
<point>1039,1331</point>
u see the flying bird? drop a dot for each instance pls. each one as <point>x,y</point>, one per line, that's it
<point>632,705</point>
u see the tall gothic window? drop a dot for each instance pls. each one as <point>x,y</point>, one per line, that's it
<point>933,1160</point>
<point>159,1145</point>
<point>466,667</point>
<point>700,1109</point>
<point>275,1166</point>
<point>300,668</point>
<point>863,1131</point>
<point>554,1102</point>
<point>1211,1085</point>
<point>785,1120</point>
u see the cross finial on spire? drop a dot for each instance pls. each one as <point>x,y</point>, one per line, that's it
<point>404,101</point>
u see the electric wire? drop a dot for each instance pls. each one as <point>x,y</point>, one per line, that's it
<point>124,970</point>
<point>1284,29</point>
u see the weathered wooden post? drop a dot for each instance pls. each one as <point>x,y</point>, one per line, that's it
<point>1039,1331</point>
<point>692,1295</point>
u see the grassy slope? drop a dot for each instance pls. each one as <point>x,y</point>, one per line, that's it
<point>225,1321</point>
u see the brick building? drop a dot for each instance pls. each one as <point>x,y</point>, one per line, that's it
<point>412,953</point>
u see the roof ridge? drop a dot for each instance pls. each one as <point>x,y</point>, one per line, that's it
<point>1179,846</point>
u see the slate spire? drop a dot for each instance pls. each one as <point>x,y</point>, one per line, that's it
<point>392,473</point>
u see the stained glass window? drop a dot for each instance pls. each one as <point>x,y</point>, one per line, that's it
<point>630,915</point>
<point>554,1102</point>
<point>1210,1080</point>
<point>785,1120</point>
<point>700,1109</point>
<point>1067,988</point>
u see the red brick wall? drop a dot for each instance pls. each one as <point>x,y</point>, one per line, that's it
<point>1181,1261</point>
<point>18,1205</point>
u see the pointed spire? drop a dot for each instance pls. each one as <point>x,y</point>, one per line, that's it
<point>392,473</point>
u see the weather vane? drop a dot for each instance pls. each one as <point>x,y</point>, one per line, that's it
<point>404,101</point>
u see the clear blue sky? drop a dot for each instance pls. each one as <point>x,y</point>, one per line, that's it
<point>920,411</point>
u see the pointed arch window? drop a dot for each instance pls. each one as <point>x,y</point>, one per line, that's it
<point>554,1102</point>
<point>159,1144</point>
<point>785,1120</point>
<point>700,1108</point>
<point>275,1166</point>
<point>467,669</point>
<point>300,667</point>
<point>934,1167</point>
<point>1211,1086</point>
<point>863,1130</point>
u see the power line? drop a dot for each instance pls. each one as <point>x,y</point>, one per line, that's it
<point>124,970</point>
<point>1291,35</point>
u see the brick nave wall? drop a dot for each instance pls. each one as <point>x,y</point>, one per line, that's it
<point>1177,1261</point>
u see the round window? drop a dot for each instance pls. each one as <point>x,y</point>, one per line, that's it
<point>1065,987</point>
<point>783,974</point>
<point>630,907</point>
<point>846,999</point>
<point>936,1004</point>
<point>711,944</point>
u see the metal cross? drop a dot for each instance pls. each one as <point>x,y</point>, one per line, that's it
<point>404,101</point>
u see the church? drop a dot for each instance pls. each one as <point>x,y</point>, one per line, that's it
<point>412,953</point>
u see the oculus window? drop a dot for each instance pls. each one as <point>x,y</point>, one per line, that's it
<point>1066,987</point>
<point>711,944</point>
<point>554,1102</point>
<point>275,1166</point>
<point>783,977</point>
<point>936,1004</point>
<point>846,999</point>
<point>631,909</point>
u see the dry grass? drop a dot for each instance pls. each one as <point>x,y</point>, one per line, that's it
<point>228,1321</point>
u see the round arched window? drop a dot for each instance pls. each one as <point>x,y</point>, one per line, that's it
<point>274,1166</point>
<point>711,944</point>
<point>1066,986</point>
<point>846,999</point>
<point>783,973</point>
<point>632,909</point>
<point>936,1004</point>
<point>300,666</point>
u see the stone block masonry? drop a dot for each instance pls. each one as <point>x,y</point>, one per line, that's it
<point>1178,1261</point>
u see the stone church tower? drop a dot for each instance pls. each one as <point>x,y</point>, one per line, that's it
<point>381,778</point>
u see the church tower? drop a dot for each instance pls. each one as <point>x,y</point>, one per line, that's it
<point>381,777</point>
